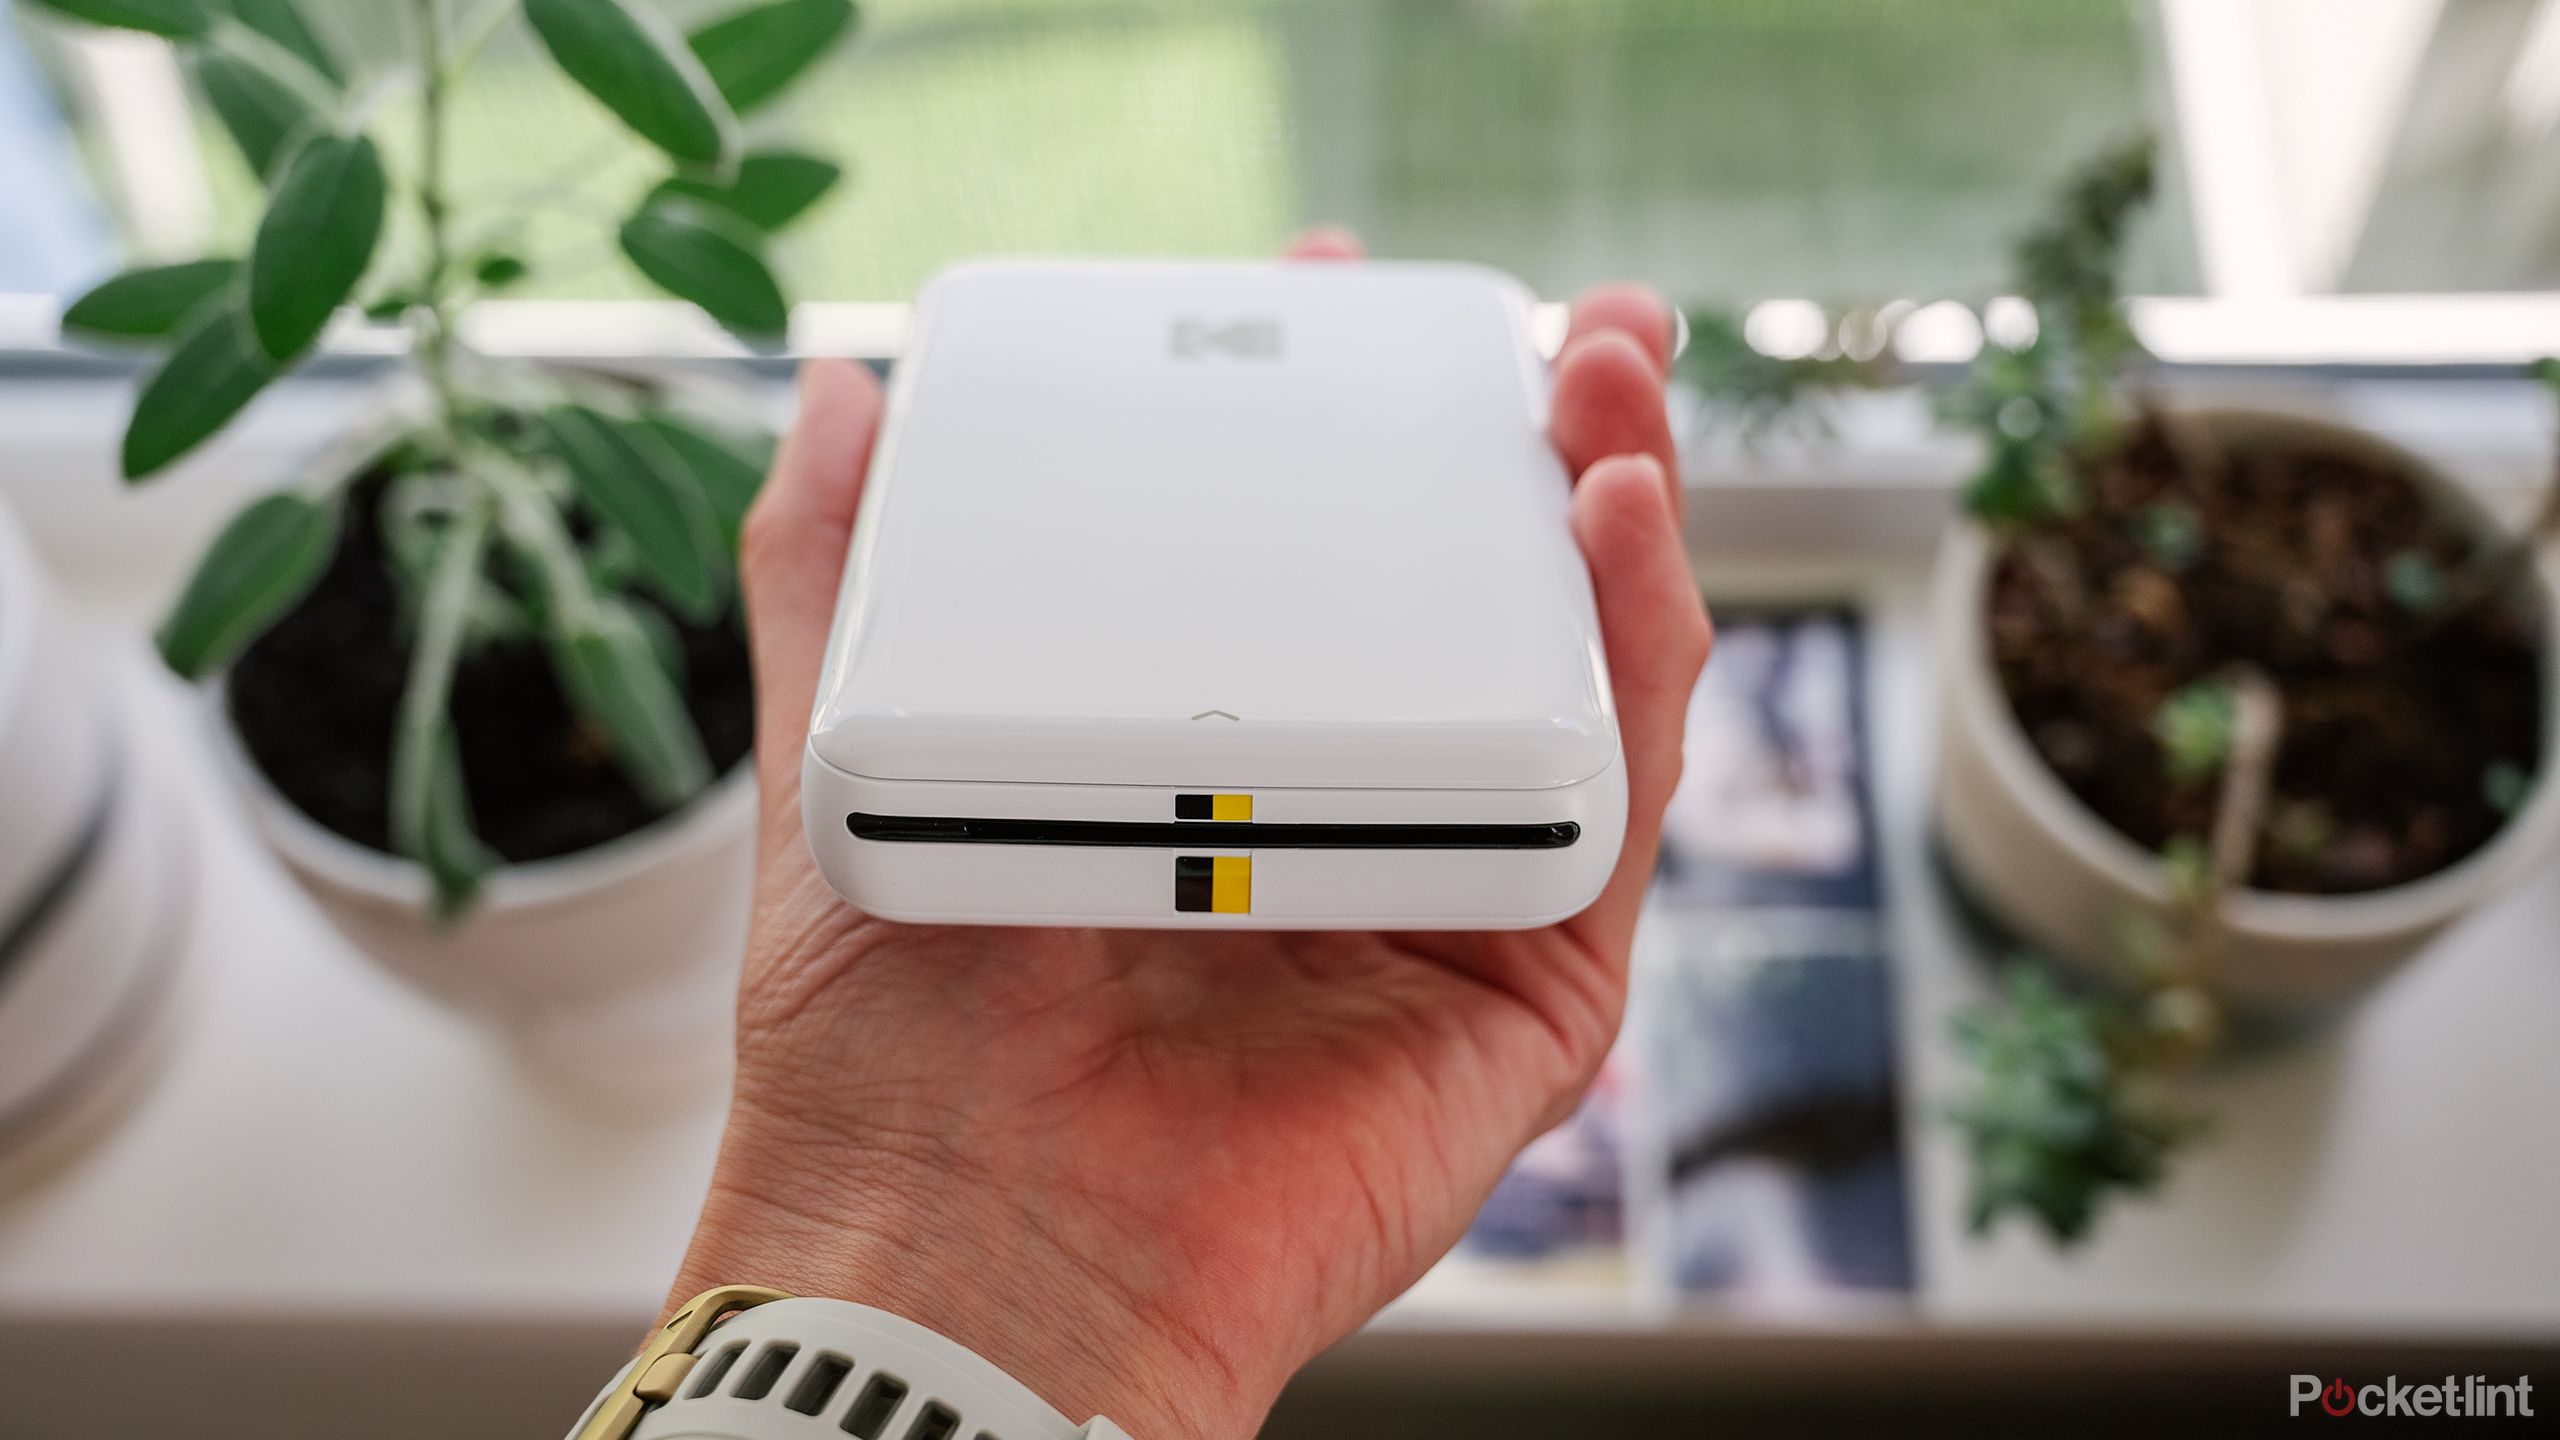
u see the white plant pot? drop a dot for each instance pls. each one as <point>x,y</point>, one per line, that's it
<point>614,969</point>
<point>2061,879</point>
<point>95,882</point>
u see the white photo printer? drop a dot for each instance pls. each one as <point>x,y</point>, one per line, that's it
<point>1217,595</point>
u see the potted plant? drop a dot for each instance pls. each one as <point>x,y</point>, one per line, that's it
<point>2241,708</point>
<point>483,671</point>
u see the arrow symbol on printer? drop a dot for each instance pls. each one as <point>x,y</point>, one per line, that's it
<point>1205,714</point>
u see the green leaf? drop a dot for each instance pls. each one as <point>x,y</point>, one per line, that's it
<point>755,54</point>
<point>2023,483</point>
<point>666,642</point>
<point>176,19</point>
<point>430,811</point>
<point>456,860</point>
<point>625,54</point>
<point>2062,1114</point>
<point>699,254</point>
<point>2505,784</point>
<point>316,240</point>
<point>283,22</point>
<point>2301,830</point>
<point>771,190</point>
<point>150,303</point>
<point>414,515</point>
<point>498,269</point>
<point>612,675</point>
<point>627,475</point>
<point>2414,581</point>
<point>264,561</point>
<point>2172,532</point>
<point>264,96</point>
<point>727,476</point>
<point>2195,728</point>
<point>216,369</point>
<point>2188,868</point>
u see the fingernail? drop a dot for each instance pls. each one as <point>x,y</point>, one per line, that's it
<point>1606,335</point>
<point>1642,460</point>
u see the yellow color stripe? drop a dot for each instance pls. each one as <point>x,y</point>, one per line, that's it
<point>1236,808</point>
<point>1231,882</point>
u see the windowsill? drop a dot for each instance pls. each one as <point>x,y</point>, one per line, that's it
<point>327,1152</point>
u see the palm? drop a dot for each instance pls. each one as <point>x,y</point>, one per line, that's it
<point>1357,1092</point>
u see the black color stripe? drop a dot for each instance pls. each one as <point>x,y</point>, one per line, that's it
<point>1191,807</point>
<point>1194,884</point>
<point>1209,834</point>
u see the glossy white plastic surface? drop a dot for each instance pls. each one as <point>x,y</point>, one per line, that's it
<point>1241,525</point>
<point>1289,530</point>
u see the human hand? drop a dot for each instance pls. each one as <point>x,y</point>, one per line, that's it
<point>1150,1173</point>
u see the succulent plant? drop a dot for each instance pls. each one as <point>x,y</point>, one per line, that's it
<point>2063,1111</point>
<point>2039,404</point>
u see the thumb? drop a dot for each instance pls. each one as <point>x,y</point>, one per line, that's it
<point>791,557</point>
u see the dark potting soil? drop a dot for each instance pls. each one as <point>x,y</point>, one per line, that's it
<point>315,698</point>
<point>2401,724</point>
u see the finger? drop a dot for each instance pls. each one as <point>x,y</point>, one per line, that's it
<point>792,554</point>
<point>1632,309</point>
<point>1655,632</point>
<point>1608,401</point>
<point>1326,242</point>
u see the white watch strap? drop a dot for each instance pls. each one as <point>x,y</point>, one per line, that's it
<point>813,1369</point>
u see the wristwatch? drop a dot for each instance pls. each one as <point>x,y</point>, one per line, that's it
<point>744,1363</point>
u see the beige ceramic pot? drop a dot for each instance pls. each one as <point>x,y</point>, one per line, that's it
<point>614,969</point>
<point>2061,879</point>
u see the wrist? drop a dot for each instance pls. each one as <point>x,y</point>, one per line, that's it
<point>811,1210</point>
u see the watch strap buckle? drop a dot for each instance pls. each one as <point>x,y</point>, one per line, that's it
<point>667,1359</point>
